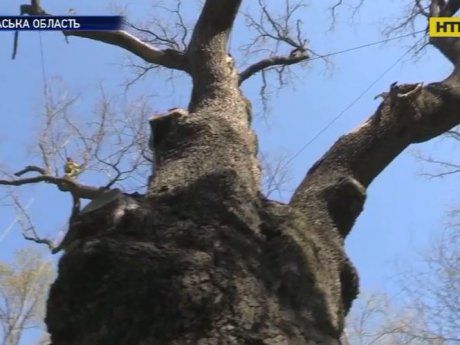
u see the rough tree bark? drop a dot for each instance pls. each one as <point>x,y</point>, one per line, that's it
<point>204,258</point>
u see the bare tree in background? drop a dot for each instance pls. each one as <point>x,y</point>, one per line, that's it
<point>24,285</point>
<point>426,311</point>
<point>203,257</point>
<point>442,166</point>
<point>275,173</point>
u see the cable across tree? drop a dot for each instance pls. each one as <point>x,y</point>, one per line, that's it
<point>203,257</point>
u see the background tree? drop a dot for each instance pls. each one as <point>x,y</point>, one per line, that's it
<point>24,286</point>
<point>426,309</point>
<point>203,257</point>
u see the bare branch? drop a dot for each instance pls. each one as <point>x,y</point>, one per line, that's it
<point>455,134</point>
<point>339,3</point>
<point>167,29</point>
<point>274,31</point>
<point>423,10</point>
<point>445,167</point>
<point>168,58</point>
<point>429,292</point>
<point>334,9</point>
<point>272,61</point>
<point>30,168</point>
<point>433,8</point>
<point>115,131</point>
<point>28,229</point>
<point>279,30</point>
<point>275,173</point>
<point>63,184</point>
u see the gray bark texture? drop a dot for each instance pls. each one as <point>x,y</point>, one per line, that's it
<point>204,258</point>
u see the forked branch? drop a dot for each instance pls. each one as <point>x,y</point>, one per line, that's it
<point>273,33</point>
<point>64,184</point>
<point>28,229</point>
<point>215,22</point>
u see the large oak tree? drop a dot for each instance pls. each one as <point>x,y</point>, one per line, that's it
<point>203,257</point>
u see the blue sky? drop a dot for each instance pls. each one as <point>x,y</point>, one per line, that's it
<point>403,209</point>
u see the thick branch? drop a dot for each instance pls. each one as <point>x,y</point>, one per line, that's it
<point>216,19</point>
<point>168,58</point>
<point>64,184</point>
<point>271,61</point>
<point>207,50</point>
<point>51,246</point>
<point>333,190</point>
<point>211,67</point>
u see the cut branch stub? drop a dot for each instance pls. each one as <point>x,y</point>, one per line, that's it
<point>160,126</point>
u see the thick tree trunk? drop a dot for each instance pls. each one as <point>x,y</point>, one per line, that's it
<point>204,258</point>
<point>191,268</point>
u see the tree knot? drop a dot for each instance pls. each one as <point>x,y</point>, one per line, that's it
<point>345,199</point>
